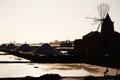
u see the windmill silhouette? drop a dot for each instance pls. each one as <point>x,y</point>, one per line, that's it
<point>103,9</point>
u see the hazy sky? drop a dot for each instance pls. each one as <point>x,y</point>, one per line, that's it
<point>35,21</point>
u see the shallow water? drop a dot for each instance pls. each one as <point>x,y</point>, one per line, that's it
<point>36,70</point>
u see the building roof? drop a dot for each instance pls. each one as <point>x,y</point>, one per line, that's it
<point>92,34</point>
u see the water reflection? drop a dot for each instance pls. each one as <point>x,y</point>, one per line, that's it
<point>72,67</point>
<point>76,69</point>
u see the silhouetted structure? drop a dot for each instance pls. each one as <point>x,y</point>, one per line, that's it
<point>24,48</point>
<point>50,77</point>
<point>46,49</point>
<point>106,42</point>
<point>11,46</point>
<point>3,46</point>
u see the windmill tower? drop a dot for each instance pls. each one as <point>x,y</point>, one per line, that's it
<point>107,28</point>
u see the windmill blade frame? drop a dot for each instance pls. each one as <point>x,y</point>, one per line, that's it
<point>103,10</point>
<point>99,25</point>
<point>99,10</point>
<point>95,22</point>
<point>94,19</point>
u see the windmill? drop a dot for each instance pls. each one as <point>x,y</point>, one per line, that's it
<point>103,9</point>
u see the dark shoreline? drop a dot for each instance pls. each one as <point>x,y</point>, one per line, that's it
<point>62,78</point>
<point>35,78</point>
<point>94,60</point>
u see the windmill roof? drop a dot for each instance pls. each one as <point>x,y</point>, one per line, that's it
<point>24,48</point>
<point>107,18</point>
<point>46,49</point>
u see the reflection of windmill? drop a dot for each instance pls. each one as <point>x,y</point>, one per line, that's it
<point>102,10</point>
<point>90,69</point>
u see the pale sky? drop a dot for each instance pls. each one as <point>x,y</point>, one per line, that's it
<point>35,21</point>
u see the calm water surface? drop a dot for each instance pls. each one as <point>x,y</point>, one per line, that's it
<point>36,70</point>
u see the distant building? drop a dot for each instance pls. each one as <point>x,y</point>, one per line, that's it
<point>66,43</point>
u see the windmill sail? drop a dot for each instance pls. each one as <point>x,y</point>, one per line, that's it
<point>103,11</point>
